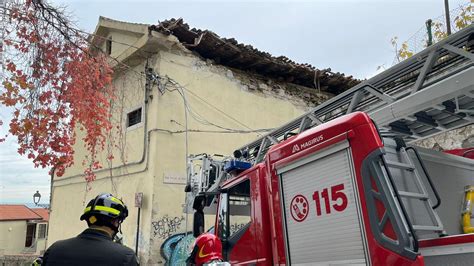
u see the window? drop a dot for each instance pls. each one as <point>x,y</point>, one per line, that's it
<point>235,212</point>
<point>41,231</point>
<point>108,46</point>
<point>222,232</point>
<point>134,117</point>
<point>30,235</point>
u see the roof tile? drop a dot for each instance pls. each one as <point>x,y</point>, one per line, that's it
<point>229,52</point>
<point>44,213</point>
<point>17,212</point>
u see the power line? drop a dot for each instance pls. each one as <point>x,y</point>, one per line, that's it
<point>77,31</point>
<point>211,131</point>
<point>200,119</point>
<point>175,83</point>
<point>195,115</point>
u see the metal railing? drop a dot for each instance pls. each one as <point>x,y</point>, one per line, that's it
<point>419,78</point>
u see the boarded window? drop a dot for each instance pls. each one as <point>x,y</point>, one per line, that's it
<point>134,117</point>
<point>42,231</point>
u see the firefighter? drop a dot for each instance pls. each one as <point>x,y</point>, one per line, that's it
<point>94,246</point>
<point>207,251</point>
<point>38,261</point>
<point>198,218</point>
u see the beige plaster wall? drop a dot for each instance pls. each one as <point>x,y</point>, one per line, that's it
<point>222,96</point>
<point>12,237</point>
<point>121,41</point>
<point>129,171</point>
<point>265,106</point>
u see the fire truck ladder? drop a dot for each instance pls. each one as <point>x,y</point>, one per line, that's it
<point>405,165</point>
<point>429,93</point>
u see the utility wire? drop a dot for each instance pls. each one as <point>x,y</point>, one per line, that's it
<point>200,119</point>
<point>211,131</point>
<point>195,115</point>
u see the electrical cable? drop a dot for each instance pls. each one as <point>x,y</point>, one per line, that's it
<point>200,119</point>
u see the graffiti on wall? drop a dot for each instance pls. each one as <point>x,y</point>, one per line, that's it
<point>236,227</point>
<point>166,226</point>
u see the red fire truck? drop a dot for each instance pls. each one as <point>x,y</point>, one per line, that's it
<point>344,184</point>
<point>332,195</point>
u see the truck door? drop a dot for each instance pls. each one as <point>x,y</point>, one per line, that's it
<point>234,224</point>
<point>322,220</point>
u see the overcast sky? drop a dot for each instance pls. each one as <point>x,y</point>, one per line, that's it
<point>348,36</point>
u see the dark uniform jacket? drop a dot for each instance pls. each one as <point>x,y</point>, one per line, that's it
<point>91,247</point>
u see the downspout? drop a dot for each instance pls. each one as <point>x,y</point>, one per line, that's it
<point>146,136</point>
<point>50,202</point>
<point>188,180</point>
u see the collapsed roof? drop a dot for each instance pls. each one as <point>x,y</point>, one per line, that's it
<point>230,53</point>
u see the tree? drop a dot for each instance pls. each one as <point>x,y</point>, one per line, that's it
<point>55,82</point>
<point>462,20</point>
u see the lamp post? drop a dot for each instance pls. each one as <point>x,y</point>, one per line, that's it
<point>448,18</point>
<point>36,197</point>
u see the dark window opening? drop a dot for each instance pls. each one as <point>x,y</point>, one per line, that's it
<point>30,235</point>
<point>108,46</point>
<point>134,117</point>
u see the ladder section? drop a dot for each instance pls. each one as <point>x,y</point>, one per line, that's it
<point>429,93</point>
<point>411,183</point>
<point>205,173</point>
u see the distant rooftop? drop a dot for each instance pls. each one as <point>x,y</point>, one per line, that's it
<point>44,213</point>
<point>21,212</point>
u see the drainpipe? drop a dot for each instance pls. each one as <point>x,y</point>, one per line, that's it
<point>145,141</point>
<point>50,202</point>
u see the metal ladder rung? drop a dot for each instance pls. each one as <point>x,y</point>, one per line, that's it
<point>400,165</point>
<point>427,228</point>
<point>413,195</point>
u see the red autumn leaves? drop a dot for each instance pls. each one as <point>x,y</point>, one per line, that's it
<point>55,85</point>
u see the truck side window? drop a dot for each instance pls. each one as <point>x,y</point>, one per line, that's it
<point>234,212</point>
<point>222,232</point>
<point>239,209</point>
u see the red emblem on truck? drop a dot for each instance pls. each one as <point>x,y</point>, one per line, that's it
<point>299,208</point>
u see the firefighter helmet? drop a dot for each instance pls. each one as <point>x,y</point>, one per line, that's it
<point>105,205</point>
<point>209,248</point>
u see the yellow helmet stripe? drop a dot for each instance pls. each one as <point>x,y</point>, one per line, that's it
<point>103,208</point>
<point>114,199</point>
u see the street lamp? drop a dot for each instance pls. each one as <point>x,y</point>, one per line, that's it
<point>36,197</point>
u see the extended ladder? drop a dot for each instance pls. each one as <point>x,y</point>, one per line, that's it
<point>404,165</point>
<point>429,93</point>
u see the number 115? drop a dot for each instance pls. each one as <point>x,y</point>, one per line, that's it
<point>336,194</point>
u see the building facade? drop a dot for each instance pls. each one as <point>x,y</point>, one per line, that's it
<point>23,231</point>
<point>180,91</point>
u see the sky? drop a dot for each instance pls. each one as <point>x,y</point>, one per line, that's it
<point>348,36</point>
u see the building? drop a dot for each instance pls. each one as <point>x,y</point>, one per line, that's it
<point>231,92</point>
<point>23,230</point>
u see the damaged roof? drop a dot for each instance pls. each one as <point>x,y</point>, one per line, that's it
<point>230,53</point>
